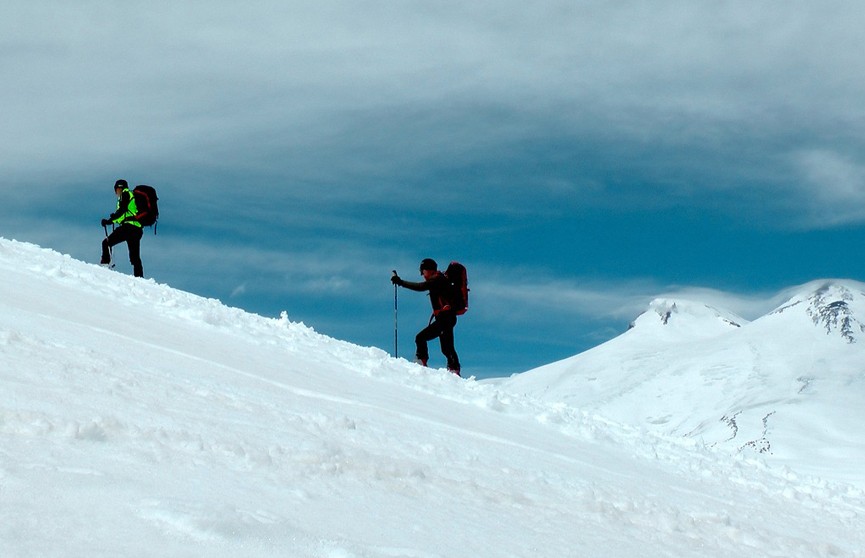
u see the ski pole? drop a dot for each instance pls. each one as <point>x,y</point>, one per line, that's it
<point>395,323</point>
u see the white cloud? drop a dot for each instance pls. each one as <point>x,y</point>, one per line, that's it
<point>661,103</point>
<point>613,300</point>
<point>835,185</point>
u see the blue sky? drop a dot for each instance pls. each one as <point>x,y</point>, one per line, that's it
<point>580,158</point>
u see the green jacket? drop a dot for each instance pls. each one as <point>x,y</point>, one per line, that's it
<point>126,209</point>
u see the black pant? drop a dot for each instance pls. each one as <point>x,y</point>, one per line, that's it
<point>443,328</point>
<point>131,235</point>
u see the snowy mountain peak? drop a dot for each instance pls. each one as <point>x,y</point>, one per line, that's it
<point>787,386</point>
<point>838,307</point>
<point>685,318</point>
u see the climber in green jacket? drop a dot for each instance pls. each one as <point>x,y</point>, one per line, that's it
<point>129,230</point>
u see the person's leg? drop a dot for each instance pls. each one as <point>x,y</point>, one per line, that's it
<point>446,339</point>
<point>117,236</point>
<point>106,252</point>
<point>133,242</point>
<point>422,339</point>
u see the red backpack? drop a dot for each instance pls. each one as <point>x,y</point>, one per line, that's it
<point>145,201</point>
<point>459,281</point>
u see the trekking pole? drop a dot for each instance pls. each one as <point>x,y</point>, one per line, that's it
<point>110,248</point>
<point>395,329</point>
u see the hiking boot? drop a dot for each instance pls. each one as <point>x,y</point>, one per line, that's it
<point>421,361</point>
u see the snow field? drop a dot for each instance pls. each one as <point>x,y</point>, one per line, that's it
<point>212,432</point>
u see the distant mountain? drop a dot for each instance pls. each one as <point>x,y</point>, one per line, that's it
<point>789,385</point>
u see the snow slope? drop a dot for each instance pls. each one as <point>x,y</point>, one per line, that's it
<point>788,386</point>
<point>138,420</point>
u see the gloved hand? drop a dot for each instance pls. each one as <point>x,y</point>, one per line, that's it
<point>396,280</point>
<point>106,222</point>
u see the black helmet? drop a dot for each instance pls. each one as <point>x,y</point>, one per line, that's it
<point>121,184</point>
<point>429,264</point>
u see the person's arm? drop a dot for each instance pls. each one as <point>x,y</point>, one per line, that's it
<point>122,208</point>
<point>419,287</point>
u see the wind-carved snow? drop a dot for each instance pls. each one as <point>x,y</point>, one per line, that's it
<point>760,445</point>
<point>730,421</point>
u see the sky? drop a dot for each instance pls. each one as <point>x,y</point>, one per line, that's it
<point>579,158</point>
<point>220,433</point>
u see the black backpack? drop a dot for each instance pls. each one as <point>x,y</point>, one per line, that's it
<point>145,201</point>
<point>459,281</point>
